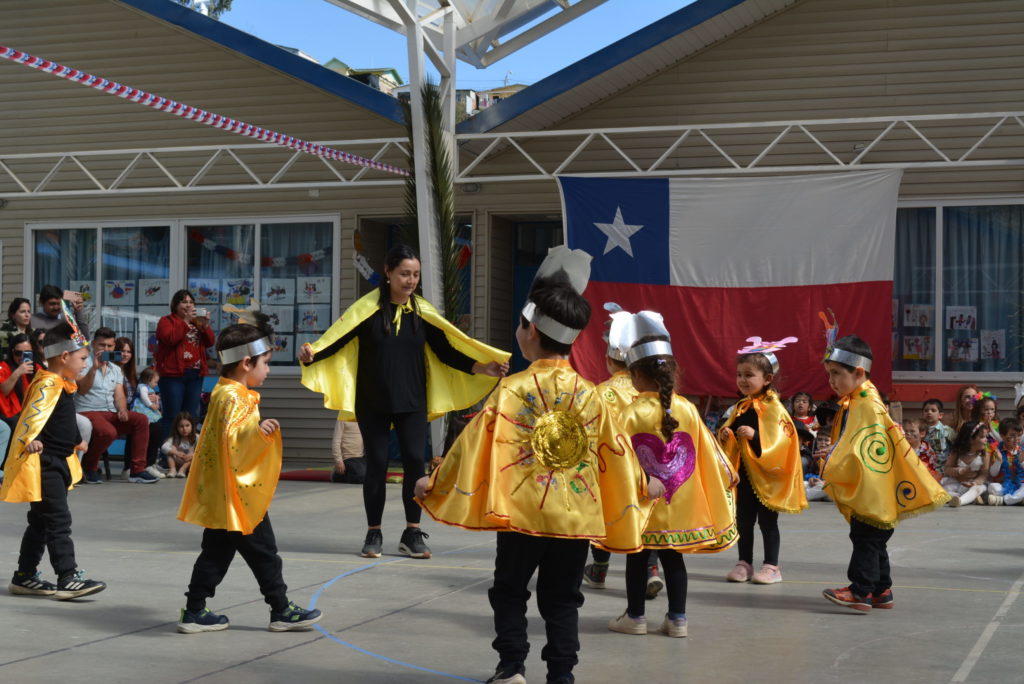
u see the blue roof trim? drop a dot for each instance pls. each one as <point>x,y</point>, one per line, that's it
<point>332,82</point>
<point>594,65</point>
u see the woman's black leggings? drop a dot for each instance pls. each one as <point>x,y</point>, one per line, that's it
<point>749,510</point>
<point>412,443</point>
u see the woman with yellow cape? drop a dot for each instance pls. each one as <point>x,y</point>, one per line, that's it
<point>393,360</point>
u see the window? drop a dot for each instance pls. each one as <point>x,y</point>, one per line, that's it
<point>67,258</point>
<point>975,322</point>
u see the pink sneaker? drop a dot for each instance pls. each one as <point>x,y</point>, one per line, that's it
<point>768,574</point>
<point>741,573</point>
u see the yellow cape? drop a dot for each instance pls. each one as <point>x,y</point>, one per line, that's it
<point>617,392</point>
<point>447,389</point>
<point>495,478</point>
<point>699,516</point>
<point>872,472</point>
<point>777,475</point>
<point>22,471</point>
<point>235,468</point>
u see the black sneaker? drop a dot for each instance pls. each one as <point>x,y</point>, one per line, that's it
<point>75,586</point>
<point>562,679</point>
<point>92,477</point>
<point>373,547</point>
<point>293,619</point>
<point>595,574</point>
<point>508,673</point>
<point>143,477</point>
<point>31,584</point>
<point>201,621</point>
<point>412,544</point>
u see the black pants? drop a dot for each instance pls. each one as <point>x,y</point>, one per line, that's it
<point>602,556</point>
<point>559,564</point>
<point>749,510</point>
<point>49,525</point>
<point>412,441</point>
<point>636,580</point>
<point>259,550</point>
<point>869,563</point>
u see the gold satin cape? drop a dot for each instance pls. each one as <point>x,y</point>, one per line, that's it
<point>617,392</point>
<point>777,475</point>
<point>236,467</point>
<point>448,389</point>
<point>493,477</point>
<point>872,472</point>
<point>23,472</point>
<point>701,517</point>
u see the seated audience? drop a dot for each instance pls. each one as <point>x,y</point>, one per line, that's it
<point>1007,487</point>
<point>50,312</point>
<point>101,399</point>
<point>16,372</point>
<point>967,469</point>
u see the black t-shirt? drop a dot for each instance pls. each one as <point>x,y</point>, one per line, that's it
<point>392,376</point>
<point>749,418</point>
<point>60,436</point>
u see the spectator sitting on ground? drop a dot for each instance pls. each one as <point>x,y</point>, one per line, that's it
<point>1008,485</point>
<point>101,399</point>
<point>50,314</point>
<point>19,318</point>
<point>16,372</point>
<point>914,430</point>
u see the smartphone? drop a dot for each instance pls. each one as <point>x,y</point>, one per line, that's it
<point>112,356</point>
<point>26,356</point>
<point>202,313</point>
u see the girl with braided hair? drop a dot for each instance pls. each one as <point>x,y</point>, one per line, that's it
<point>763,446</point>
<point>696,514</point>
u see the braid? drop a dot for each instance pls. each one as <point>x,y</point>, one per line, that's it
<point>666,382</point>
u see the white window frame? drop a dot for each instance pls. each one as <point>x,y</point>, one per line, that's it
<point>939,375</point>
<point>178,246</point>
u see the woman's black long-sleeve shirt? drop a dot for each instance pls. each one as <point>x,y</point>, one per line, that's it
<point>391,376</point>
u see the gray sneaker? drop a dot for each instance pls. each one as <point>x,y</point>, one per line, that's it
<point>373,547</point>
<point>412,543</point>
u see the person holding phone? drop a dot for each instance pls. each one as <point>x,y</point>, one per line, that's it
<point>19,321</point>
<point>50,312</point>
<point>101,399</point>
<point>183,337</point>
<point>16,373</point>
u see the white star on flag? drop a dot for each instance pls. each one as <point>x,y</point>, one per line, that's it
<point>618,232</point>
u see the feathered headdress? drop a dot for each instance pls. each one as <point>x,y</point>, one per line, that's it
<point>77,340</point>
<point>833,353</point>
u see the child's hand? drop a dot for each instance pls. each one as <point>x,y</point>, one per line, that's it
<point>269,426</point>
<point>421,487</point>
<point>813,481</point>
<point>746,432</point>
<point>34,447</point>
<point>725,434</point>
<point>655,488</point>
<point>82,446</point>
<point>306,353</point>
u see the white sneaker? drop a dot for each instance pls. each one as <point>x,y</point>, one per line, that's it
<point>624,624</point>
<point>155,472</point>
<point>673,628</point>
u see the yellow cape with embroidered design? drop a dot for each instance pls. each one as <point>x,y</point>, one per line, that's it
<point>617,392</point>
<point>22,470</point>
<point>777,475</point>
<point>697,515</point>
<point>235,468</point>
<point>447,389</point>
<point>543,457</point>
<point>872,472</point>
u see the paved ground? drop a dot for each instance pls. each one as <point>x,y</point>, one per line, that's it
<point>957,573</point>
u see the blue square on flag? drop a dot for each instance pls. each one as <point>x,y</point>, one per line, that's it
<point>623,224</point>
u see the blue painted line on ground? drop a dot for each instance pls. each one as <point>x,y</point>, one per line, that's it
<point>359,649</point>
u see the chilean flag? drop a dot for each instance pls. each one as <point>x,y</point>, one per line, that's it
<point>725,259</point>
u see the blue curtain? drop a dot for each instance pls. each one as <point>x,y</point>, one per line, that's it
<point>914,286</point>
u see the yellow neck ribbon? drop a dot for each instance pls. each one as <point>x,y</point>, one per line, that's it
<point>399,310</point>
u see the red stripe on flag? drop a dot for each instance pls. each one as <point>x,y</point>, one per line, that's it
<point>709,324</point>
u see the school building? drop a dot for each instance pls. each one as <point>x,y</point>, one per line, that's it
<point>129,204</point>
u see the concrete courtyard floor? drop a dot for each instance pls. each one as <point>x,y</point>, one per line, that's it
<point>957,618</point>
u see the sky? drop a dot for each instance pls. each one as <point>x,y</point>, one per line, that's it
<point>323,31</point>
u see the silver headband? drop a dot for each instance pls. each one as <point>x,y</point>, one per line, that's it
<point>849,358</point>
<point>559,332</point>
<point>63,346</point>
<point>648,349</point>
<point>772,361</point>
<point>236,354</point>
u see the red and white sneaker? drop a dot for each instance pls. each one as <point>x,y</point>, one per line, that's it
<point>846,598</point>
<point>883,600</point>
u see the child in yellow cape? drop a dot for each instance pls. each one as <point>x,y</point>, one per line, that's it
<point>234,473</point>
<point>762,444</point>
<point>41,467</point>
<point>545,464</point>
<point>872,473</point>
<point>674,447</point>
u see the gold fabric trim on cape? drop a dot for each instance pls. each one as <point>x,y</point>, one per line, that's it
<point>235,468</point>
<point>777,475</point>
<point>447,389</point>
<point>872,472</point>
<point>23,471</point>
<point>701,515</point>
<point>492,479</point>
<point>617,392</point>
